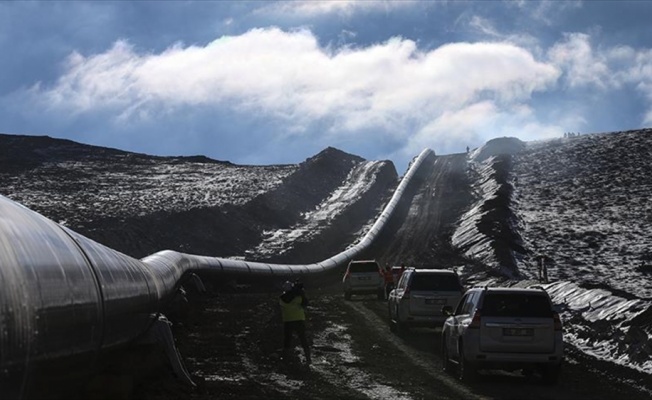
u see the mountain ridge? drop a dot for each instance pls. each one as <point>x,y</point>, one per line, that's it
<point>582,201</point>
<point>139,204</point>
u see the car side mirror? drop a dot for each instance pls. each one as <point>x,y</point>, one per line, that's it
<point>447,310</point>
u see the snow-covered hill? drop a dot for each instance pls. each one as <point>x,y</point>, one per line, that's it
<point>139,204</point>
<point>584,201</point>
<point>581,201</point>
<point>81,183</point>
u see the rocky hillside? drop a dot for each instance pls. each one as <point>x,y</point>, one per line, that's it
<point>140,204</point>
<point>582,202</point>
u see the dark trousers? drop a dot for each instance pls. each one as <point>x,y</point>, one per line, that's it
<point>300,328</point>
<point>389,286</point>
<point>294,326</point>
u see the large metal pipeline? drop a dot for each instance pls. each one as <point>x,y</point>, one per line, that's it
<point>64,296</point>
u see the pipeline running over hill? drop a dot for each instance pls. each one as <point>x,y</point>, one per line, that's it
<point>67,297</point>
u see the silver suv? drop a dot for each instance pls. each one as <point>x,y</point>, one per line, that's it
<point>419,297</point>
<point>503,328</point>
<point>364,277</point>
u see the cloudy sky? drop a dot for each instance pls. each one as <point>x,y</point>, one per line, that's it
<point>265,82</point>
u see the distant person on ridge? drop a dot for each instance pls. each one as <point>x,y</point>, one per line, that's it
<point>293,302</point>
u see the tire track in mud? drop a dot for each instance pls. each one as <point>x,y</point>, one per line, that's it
<point>338,362</point>
<point>232,349</point>
<point>582,378</point>
<point>416,356</point>
<point>421,233</point>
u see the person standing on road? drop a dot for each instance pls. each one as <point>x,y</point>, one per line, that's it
<point>389,280</point>
<point>400,273</point>
<point>293,302</point>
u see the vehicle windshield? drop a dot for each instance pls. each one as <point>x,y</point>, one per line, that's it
<point>363,267</point>
<point>516,305</point>
<point>435,282</point>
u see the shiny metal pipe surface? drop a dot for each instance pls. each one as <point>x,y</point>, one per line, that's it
<point>63,295</point>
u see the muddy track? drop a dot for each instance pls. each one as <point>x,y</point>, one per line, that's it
<point>424,220</point>
<point>583,377</point>
<point>419,233</point>
<point>232,348</point>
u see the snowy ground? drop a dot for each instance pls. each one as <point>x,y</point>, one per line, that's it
<point>157,186</point>
<point>85,182</point>
<point>357,183</point>
<point>584,203</point>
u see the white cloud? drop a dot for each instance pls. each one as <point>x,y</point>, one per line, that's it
<point>341,7</point>
<point>484,26</point>
<point>392,88</point>
<point>288,73</point>
<point>640,74</point>
<point>477,122</point>
<point>459,125</point>
<point>582,65</point>
<point>604,68</point>
<point>546,11</point>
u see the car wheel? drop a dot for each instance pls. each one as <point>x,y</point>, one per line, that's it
<point>465,370</point>
<point>347,295</point>
<point>551,374</point>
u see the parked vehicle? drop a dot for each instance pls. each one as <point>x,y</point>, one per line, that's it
<point>419,297</point>
<point>364,277</point>
<point>503,328</point>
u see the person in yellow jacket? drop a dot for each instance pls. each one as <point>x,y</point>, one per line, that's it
<point>293,302</point>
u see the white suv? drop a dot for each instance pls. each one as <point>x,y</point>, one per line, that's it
<point>419,297</point>
<point>364,277</point>
<point>503,328</point>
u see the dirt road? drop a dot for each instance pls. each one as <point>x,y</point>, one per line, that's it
<point>419,233</point>
<point>233,351</point>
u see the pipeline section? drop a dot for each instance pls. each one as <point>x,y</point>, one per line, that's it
<point>171,261</point>
<point>63,295</point>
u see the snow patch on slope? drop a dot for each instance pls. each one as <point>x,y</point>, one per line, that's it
<point>358,182</point>
<point>609,327</point>
<point>467,236</point>
<point>494,147</point>
<point>488,232</point>
<point>124,187</point>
